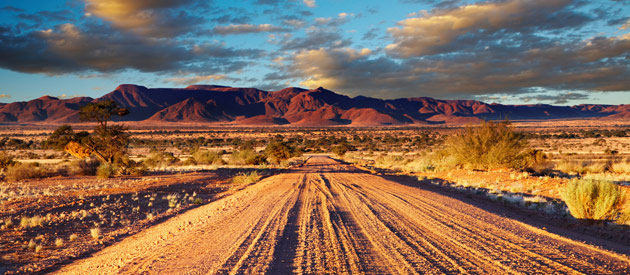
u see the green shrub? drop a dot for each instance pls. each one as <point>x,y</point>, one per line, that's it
<point>246,178</point>
<point>490,145</point>
<point>207,157</point>
<point>105,171</point>
<point>593,200</point>
<point>21,171</point>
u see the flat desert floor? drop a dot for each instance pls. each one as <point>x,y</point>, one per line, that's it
<point>327,217</point>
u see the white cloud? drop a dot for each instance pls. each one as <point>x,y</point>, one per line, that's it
<point>439,31</point>
<point>310,3</point>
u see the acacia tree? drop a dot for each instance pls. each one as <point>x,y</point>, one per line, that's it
<point>107,142</point>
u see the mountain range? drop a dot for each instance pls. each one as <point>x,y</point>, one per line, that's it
<point>291,106</point>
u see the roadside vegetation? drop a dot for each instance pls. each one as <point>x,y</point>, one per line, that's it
<point>496,156</point>
<point>505,164</point>
<point>109,178</point>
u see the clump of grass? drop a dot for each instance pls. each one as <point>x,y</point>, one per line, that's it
<point>95,233</point>
<point>197,201</point>
<point>32,244</point>
<point>59,242</point>
<point>173,200</point>
<point>38,248</point>
<point>73,237</point>
<point>246,178</point>
<point>593,200</point>
<point>29,222</point>
<point>8,223</point>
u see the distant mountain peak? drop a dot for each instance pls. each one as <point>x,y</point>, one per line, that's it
<point>205,87</point>
<point>291,106</point>
<point>130,87</point>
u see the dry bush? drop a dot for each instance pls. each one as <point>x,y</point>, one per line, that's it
<point>624,215</point>
<point>22,171</point>
<point>5,161</point>
<point>84,167</point>
<point>247,157</point>
<point>390,161</point>
<point>581,167</point>
<point>246,178</point>
<point>593,200</point>
<point>419,165</point>
<point>160,159</point>
<point>621,167</point>
<point>105,171</point>
<point>207,157</point>
<point>127,166</point>
<point>490,145</point>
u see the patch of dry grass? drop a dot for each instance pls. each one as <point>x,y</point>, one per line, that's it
<point>593,200</point>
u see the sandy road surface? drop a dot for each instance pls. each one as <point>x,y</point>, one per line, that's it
<point>327,217</point>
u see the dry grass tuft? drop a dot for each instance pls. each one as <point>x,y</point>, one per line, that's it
<point>95,233</point>
<point>593,200</point>
<point>246,178</point>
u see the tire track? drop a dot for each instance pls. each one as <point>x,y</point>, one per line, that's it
<point>330,218</point>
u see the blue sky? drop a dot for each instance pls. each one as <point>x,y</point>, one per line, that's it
<point>511,51</point>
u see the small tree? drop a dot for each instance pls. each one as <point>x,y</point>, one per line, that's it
<point>108,143</point>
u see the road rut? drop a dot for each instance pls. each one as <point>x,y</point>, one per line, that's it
<point>327,217</point>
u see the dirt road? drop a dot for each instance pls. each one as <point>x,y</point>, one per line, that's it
<point>331,218</point>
